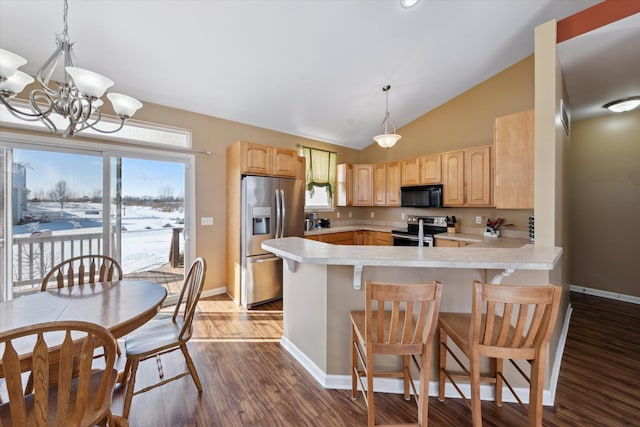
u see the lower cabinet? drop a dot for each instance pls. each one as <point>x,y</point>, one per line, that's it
<point>446,243</point>
<point>359,237</point>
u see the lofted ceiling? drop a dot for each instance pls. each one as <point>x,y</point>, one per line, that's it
<point>313,68</point>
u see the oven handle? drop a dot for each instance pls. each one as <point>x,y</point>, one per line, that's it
<point>409,237</point>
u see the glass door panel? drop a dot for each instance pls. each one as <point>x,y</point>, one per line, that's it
<point>56,212</point>
<point>148,216</point>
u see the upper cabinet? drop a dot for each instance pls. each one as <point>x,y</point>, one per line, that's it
<point>265,160</point>
<point>467,177</point>
<point>422,170</point>
<point>393,180</point>
<point>380,184</point>
<point>344,178</point>
<point>514,155</point>
<point>362,185</point>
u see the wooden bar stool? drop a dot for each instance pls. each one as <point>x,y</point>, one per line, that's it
<point>506,322</point>
<point>400,332</point>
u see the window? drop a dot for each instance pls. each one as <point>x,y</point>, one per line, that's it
<point>321,178</point>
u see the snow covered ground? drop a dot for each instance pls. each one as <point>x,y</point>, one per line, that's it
<point>146,236</point>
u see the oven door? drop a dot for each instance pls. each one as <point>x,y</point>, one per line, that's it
<point>410,240</point>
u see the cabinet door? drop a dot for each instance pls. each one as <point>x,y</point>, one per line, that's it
<point>344,178</point>
<point>478,172</point>
<point>411,171</point>
<point>362,185</point>
<point>514,154</point>
<point>446,243</point>
<point>453,178</point>
<point>431,169</point>
<point>383,238</point>
<point>394,172</point>
<point>380,184</point>
<point>359,237</point>
<point>285,162</point>
<point>256,159</point>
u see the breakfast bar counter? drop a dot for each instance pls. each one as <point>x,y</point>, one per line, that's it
<point>323,282</point>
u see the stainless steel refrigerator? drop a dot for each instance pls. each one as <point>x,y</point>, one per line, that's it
<point>272,208</point>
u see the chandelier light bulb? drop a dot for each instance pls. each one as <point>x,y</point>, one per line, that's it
<point>16,83</point>
<point>9,63</point>
<point>124,105</point>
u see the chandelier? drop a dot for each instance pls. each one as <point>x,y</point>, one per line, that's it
<point>77,99</point>
<point>387,136</point>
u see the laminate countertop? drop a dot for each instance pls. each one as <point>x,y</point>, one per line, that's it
<point>490,253</point>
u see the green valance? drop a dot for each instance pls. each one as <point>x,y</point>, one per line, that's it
<point>321,169</point>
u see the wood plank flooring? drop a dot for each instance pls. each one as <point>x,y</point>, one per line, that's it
<point>249,380</point>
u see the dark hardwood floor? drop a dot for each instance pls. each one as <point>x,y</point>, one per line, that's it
<point>249,380</point>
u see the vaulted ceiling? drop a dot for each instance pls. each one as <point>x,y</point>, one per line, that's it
<point>313,68</point>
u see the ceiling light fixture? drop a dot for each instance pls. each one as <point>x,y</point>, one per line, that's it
<point>77,99</point>
<point>622,105</point>
<point>408,3</point>
<point>387,136</point>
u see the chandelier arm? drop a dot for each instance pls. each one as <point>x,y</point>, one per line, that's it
<point>44,82</point>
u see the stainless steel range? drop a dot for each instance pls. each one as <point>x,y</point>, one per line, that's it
<point>419,231</point>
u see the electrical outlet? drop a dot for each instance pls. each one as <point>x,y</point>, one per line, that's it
<point>337,214</point>
<point>349,214</point>
<point>373,214</point>
<point>403,216</point>
<point>206,220</point>
<point>478,220</point>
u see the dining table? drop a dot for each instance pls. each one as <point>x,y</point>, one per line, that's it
<point>120,306</point>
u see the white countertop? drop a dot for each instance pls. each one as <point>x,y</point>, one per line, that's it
<point>487,255</point>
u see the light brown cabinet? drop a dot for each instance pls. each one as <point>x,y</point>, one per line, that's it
<point>381,238</point>
<point>411,172</point>
<point>422,170</point>
<point>514,157</point>
<point>467,177</point>
<point>446,243</point>
<point>386,183</point>
<point>258,159</point>
<point>431,169</point>
<point>359,237</point>
<point>362,185</point>
<point>339,238</point>
<point>393,179</point>
<point>380,184</point>
<point>344,182</point>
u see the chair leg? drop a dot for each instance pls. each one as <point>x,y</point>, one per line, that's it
<point>423,397</point>
<point>476,404</point>
<point>535,393</point>
<point>130,387</point>
<point>497,369</point>
<point>370,406</point>
<point>354,365</point>
<point>442,364</point>
<point>406,376</point>
<point>192,367</point>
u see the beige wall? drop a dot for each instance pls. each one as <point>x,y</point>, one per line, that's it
<point>213,134</point>
<point>463,122</point>
<point>605,201</point>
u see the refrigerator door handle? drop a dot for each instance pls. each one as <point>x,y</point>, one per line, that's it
<point>278,213</point>
<point>283,216</point>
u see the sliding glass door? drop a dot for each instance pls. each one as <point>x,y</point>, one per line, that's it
<point>55,208</point>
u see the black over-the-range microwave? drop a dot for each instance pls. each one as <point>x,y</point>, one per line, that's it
<point>423,196</point>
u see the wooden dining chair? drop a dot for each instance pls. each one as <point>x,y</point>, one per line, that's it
<point>399,319</point>
<point>83,269</point>
<point>165,335</point>
<point>506,322</point>
<point>60,352</point>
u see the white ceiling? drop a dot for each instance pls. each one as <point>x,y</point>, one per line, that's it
<point>601,66</point>
<point>313,68</point>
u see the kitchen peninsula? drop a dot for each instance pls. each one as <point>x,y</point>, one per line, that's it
<point>323,282</point>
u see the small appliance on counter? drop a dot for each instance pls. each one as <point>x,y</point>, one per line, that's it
<point>453,226</point>
<point>325,223</point>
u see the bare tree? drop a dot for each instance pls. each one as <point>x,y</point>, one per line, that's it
<point>60,193</point>
<point>166,193</point>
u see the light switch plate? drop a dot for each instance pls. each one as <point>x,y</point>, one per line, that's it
<point>478,220</point>
<point>206,220</point>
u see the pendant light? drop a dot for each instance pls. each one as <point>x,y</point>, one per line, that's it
<point>387,136</point>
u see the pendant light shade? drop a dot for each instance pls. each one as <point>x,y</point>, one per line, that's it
<point>387,136</point>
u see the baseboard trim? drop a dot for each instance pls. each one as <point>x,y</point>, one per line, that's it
<point>213,292</point>
<point>604,294</point>
<point>390,385</point>
<point>555,372</point>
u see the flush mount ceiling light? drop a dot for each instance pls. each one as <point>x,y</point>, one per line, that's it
<point>387,136</point>
<point>77,99</point>
<point>408,3</point>
<point>622,105</point>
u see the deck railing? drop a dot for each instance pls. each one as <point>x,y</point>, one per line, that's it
<point>35,255</point>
